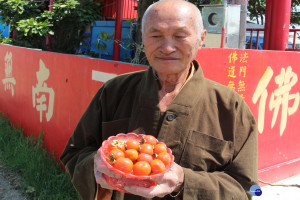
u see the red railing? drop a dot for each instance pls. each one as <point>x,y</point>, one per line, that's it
<point>294,40</point>
<point>258,30</point>
<point>257,36</point>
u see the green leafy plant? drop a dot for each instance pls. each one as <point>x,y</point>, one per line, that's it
<point>13,11</point>
<point>32,22</point>
<point>4,40</point>
<point>103,37</point>
<point>32,27</point>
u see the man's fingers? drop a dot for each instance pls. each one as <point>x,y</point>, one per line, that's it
<point>101,180</point>
<point>141,191</point>
<point>110,173</point>
<point>151,192</point>
<point>101,166</point>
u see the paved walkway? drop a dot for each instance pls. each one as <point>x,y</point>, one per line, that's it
<point>7,190</point>
<point>281,192</point>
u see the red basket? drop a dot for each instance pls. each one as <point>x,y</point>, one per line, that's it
<point>129,178</point>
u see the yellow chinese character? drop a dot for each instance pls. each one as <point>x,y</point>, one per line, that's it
<point>242,95</point>
<point>39,100</point>
<point>242,86</point>
<point>231,72</point>
<point>279,98</point>
<point>231,85</point>
<point>243,58</point>
<point>232,57</point>
<point>243,70</point>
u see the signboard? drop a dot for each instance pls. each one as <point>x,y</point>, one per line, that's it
<point>44,91</point>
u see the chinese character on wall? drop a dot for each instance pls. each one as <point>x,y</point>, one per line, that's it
<point>9,81</point>
<point>236,72</point>
<point>280,97</point>
<point>43,96</point>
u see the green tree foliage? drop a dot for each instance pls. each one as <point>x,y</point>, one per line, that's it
<point>257,9</point>
<point>32,22</point>
<point>295,14</point>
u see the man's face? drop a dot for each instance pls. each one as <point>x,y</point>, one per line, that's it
<point>170,39</point>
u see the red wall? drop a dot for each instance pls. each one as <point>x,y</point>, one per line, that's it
<point>71,79</point>
<point>268,80</point>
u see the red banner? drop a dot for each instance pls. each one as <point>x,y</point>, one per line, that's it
<point>44,91</point>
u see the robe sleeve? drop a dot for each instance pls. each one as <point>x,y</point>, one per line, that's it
<point>78,155</point>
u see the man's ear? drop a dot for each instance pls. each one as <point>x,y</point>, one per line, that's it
<point>203,34</point>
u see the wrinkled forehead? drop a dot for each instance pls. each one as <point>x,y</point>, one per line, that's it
<point>169,16</point>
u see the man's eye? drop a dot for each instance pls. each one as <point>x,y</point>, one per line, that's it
<point>156,36</point>
<point>180,36</point>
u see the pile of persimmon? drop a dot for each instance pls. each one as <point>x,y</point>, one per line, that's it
<point>141,158</point>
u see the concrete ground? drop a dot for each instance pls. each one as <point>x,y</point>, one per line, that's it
<point>9,184</point>
<point>8,192</point>
<point>281,192</point>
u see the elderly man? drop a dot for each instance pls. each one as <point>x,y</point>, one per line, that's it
<point>208,126</point>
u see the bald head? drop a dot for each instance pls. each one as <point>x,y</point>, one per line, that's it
<point>179,7</point>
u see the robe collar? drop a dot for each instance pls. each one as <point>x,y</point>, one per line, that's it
<point>185,99</point>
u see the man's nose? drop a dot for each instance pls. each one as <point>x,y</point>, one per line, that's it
<point>167,46</point>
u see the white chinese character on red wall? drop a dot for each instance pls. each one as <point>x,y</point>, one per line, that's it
<point>9,81</point>
<point>42,96</point>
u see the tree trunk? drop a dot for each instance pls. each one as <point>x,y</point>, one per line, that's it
<point>260,11</point>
